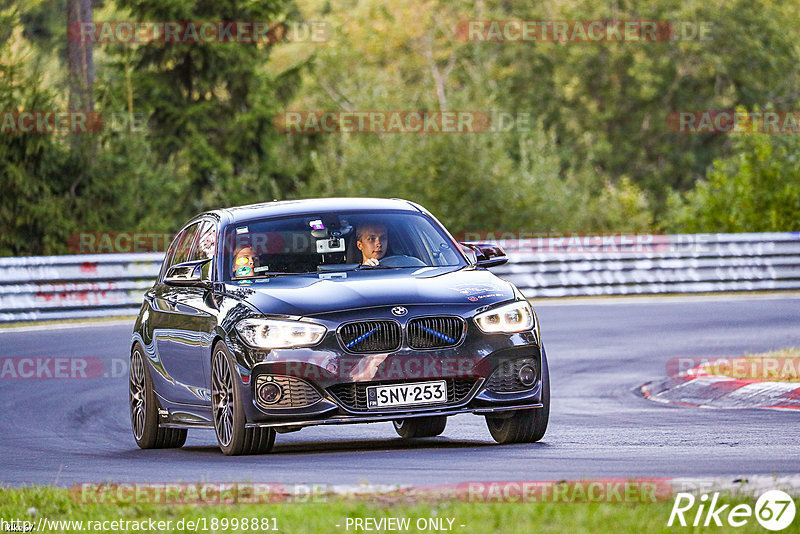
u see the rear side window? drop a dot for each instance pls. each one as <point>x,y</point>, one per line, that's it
<point>178,248</point>
<point>170,255</point>
<point>205,246</point>
<point>206,242</point>
<point>186,246</point>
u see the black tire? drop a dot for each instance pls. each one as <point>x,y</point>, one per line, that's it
<point>524,426</point>
<point>227,408</point>
<point>420,427</point>
<point>144,408</point>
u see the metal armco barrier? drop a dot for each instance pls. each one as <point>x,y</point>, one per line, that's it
<point>55,287</point>
<point>60,287</point>
<point>632,265</point>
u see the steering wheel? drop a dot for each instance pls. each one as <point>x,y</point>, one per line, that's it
<point>401,260</point>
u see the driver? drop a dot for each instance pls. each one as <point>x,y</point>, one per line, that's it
<point>372,240</point>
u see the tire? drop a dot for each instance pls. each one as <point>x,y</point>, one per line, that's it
<point>420,427</point>
<point>524,426</point>
<point>228,412</point>
<point>144,408</point>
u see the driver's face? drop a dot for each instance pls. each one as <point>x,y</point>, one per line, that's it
<point>373,242</point>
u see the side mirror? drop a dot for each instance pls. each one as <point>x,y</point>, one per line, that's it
<point>486,254</point>
<point>188,274</point>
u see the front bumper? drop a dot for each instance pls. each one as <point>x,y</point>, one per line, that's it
<point>329,369</point>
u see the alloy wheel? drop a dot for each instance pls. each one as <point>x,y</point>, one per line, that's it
<point>137,396</point>
<point>222,398</point>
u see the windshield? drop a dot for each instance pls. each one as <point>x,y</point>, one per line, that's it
<point>323,242</point>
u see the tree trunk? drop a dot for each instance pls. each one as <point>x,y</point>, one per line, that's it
<point>80,67</point>
<point>79,58</point>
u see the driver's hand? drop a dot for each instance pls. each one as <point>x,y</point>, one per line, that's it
<point>372,262</point>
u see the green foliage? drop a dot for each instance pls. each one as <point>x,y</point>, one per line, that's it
<point>210,104</point>
<point>187,127</point>
<point>32,167</point>
<point>472,183</point>
<point>757,189</point>
<point>608,102</point>
<point>596,155</point>
<point>390,57</point>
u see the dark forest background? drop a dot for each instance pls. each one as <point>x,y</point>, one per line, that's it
<point>192,124</point>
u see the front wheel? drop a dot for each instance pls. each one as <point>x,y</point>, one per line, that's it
<point>144,408</point>
<point>524,426</point>
<point>233,436</point>
<point>420,427</point>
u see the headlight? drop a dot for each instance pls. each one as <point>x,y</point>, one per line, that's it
<point>279,334</point>
<point>515,317</point>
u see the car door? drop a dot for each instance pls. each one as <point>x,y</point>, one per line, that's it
<point>183,320</point>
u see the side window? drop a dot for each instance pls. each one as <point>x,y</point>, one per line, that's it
<point>206,242</point>
<point>179,249</point>
<point>186,245</point>
<point>170,255</point>
<point>205,247</point>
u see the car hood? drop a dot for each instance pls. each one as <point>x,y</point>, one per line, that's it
<point>320,293</point>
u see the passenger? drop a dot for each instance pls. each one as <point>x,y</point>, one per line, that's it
<point>243,263</point>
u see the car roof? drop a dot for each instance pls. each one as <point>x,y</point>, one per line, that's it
<point>312,205</point>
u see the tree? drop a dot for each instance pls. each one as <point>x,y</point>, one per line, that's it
<point>757,189</point>
<point>32,167</point>
<point>210,104</point>
<point>608,102</point>
<point>389,56</point>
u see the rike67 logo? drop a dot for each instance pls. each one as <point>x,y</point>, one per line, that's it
<point>774,510</point>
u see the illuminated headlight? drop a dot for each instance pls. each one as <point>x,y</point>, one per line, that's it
<point>279,334</point>
<point>515,317</point>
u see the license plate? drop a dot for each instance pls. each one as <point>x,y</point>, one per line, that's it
<point>407,394</point>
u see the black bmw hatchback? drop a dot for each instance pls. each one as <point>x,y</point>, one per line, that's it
<point>271,317</point>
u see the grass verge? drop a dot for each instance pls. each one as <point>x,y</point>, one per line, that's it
<point>57,504</point>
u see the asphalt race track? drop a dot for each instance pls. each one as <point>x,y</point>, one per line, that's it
<point>63,431</point>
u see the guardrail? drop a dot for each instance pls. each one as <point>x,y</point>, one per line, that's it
<point>56,287</point>
<point>62,287</point>
<point>632,265</point>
